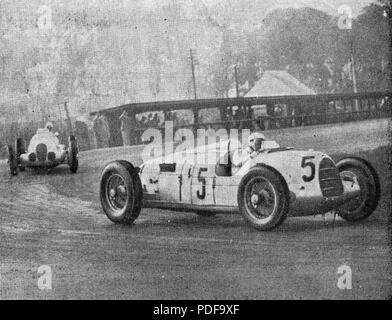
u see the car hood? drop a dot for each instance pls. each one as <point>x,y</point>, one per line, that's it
<point>285,160</point>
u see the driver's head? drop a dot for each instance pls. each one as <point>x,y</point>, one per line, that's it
<point>49,126</point>
<point>256,140</point>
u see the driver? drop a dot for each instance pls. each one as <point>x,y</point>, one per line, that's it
<point>49,126</point>
<point>255,143</point>
<point>255,146</point>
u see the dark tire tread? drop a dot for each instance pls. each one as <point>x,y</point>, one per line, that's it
<point>364,168</point>
<point>12,161</point>
<point>73,160</point>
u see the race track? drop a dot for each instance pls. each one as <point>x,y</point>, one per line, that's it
<point>55,219</point>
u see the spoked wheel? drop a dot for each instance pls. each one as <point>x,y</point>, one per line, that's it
<point>364,205</point>
<point>121,192</point>
<point>263,198</point>
<point>12,161</point>
<point>73,160</point>
<point>117,193</point>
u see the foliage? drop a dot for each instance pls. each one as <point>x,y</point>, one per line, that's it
<point>102,54</point>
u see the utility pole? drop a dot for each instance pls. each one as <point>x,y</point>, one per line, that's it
<point>236,80</point>
<point>353,64</point>
<point>355,90</point>
<point>194,62</point>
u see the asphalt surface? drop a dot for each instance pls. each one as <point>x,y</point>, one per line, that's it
<point>55,219</point>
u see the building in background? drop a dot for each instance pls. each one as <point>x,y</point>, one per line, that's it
<point>279,83</point>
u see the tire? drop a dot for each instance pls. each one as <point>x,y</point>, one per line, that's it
<point>258,189</point>
<point>126,208</point>
<point>203,213</point>
<point>363,206</point>
<point>20,147</point>
<point>12,161</point>
<point>73,160</point>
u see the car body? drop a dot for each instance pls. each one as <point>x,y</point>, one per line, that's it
<point>269,186</point>
<point>44,151</point>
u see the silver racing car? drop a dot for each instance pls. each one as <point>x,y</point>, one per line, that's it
<point>270,185</point>
<point>44,151</point>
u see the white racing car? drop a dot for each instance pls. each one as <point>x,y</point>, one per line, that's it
<point>44,151</point>
<point>270,185</point>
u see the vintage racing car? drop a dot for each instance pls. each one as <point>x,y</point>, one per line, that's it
<point>276,183</point>
<point>44,151</point>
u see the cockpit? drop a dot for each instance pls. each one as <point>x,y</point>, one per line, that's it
<point>235,155</point>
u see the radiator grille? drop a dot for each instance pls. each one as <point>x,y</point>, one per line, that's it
<point>42,152</point>
<point>330,182</point>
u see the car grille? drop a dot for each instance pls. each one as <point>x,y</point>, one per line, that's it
<point>42,152</point>
<point>330,182</point>
<point>51,156</point>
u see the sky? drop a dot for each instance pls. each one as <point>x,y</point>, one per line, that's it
<point>330,6</point>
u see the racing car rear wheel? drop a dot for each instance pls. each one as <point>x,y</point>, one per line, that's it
<point>73,161</point>
<point>12,161</point>
<point>20,148</point>
<point>364,205</point>
<point>121,192</point>
<point>263,198</point>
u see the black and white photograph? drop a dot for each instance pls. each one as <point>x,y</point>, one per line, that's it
<point>195,150</point>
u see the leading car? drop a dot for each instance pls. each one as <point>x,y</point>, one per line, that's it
<point>271,184</point>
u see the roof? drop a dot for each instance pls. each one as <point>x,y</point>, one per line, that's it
<point>227,102</point>
<point>278,83</point>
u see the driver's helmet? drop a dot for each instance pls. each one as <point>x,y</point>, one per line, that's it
<point>255,141</point>
<point>49,126</point>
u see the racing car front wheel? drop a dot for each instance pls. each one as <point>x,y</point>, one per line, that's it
<point>12,161</point>
<point>263,198</point>
<point>121,192</point>
<point>364,205</point>
<point>73,161</point>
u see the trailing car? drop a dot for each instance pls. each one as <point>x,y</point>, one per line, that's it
<point>270,185</point>
<point>44,151</point>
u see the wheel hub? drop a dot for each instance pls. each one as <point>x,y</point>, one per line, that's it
<point>255,199</point>
<point>121,189</point>
<point>261,198</point>
<point>116,192</point>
